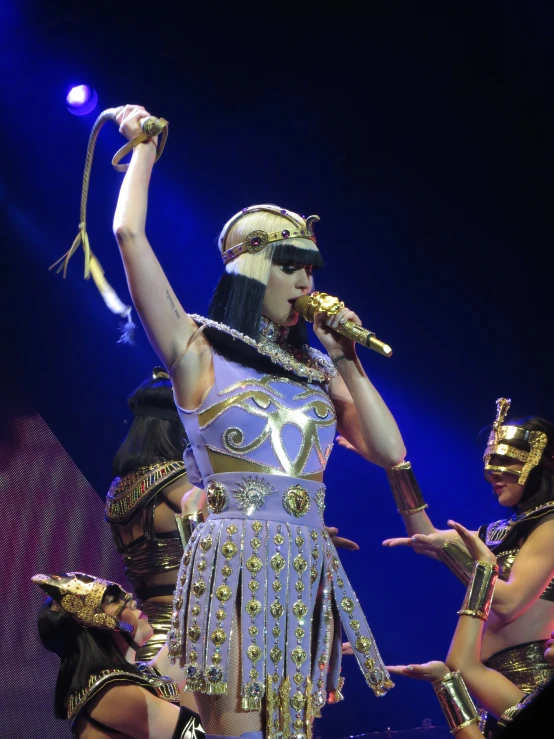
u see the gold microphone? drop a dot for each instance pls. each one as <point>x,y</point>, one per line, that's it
<point>309,305</point>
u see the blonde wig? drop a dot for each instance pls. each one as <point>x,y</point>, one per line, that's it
<point>238,298</point>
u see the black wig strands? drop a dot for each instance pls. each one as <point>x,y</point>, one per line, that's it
<point>83,652</point>
<point>156,434</point>
<point>237,302</point>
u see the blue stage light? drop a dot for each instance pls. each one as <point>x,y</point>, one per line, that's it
<point>81,100</point>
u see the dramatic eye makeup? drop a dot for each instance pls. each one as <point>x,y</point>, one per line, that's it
<point>290,267</point>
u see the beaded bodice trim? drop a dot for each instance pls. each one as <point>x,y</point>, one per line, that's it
<point>149,678</point>
<point>498,532</point>
<point>308,363</point>
<point>129,494</point>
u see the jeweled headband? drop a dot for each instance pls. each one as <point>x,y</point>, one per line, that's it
<point>256,241</point>
<point>501,439</point>
<point>82,599</point>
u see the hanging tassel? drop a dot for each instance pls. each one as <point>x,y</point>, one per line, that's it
<point>284,700</point>
<point>215,688</point>
<point>252,697</point>
<point>310,713</point>
<point>151,127</point>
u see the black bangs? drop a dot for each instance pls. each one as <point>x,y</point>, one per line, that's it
<point>285,253</point>
<point>237,302</point>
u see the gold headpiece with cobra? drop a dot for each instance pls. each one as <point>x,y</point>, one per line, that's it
<point>81,596</point>
<point>256,241</point>
<point>500,442</point>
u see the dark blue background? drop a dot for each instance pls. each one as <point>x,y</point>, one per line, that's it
<point>421,133</point>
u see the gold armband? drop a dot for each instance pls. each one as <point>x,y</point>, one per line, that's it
<point>458,560</point>
<point>513,712</point>
<point>186,525</point>
<point>456,702</point>
<point>407,495</point>
<point>480,590</point>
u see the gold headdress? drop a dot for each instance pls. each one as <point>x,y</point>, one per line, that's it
<point>81,596</point>
<point>159,373</point>
<point>256,241</point>
<point>501,439</point>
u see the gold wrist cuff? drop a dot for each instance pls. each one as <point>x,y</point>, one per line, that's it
<point>458,560</point>
<point>407,495</point>
<point>186,525</point>
<point>455,702</point>
<point>478,599</point>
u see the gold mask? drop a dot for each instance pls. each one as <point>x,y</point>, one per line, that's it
<point>500,440</point>
<point>81,596</point>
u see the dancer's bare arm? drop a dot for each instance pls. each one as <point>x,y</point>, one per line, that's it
<point>422,537</point>
<point>491,689</point>
<point>135,712</point>
<point>532,570</point>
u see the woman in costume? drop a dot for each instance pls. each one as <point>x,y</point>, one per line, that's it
<point>95,628</point>
<point>152,508</point>
<point>151,505</point>
<point>260,409</point>
<point>463,669</point>
<point>519,464</point>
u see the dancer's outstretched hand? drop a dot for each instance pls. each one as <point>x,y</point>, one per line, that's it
<point>475,546</point>
<point>339,542</point>
<point>428,544</point>
<point>347,648</point>
<point>429,671</point>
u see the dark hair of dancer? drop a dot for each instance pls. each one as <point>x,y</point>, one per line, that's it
<point>539,487</point>
<point>83,651</point>
<point>156,434</point>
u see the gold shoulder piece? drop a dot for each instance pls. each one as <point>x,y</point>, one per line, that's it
<point>127,495</point>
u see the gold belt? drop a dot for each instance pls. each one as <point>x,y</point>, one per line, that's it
<point>523,664</point>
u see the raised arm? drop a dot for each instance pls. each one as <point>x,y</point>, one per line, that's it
<point>532,570</point>
<point>362,415</point>
<point>491,689</point>
<point>167,325</point>
<point>463,669</point>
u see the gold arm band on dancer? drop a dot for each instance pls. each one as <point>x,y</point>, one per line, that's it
<point>480,590</point>
<point>458,560</point>
<point>455,701</point>
<point>406,492</point>
<point>187,524</point>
